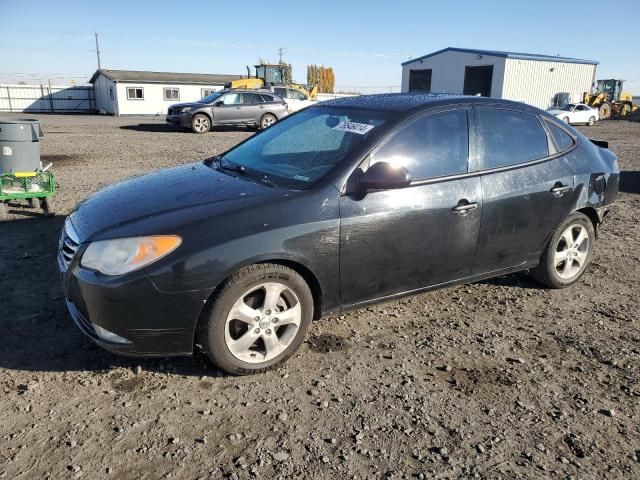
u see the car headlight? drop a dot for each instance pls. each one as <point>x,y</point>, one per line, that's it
<point>186,109</point>
<point>124,255</point>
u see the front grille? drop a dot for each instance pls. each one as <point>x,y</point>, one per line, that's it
<point>68,246</point>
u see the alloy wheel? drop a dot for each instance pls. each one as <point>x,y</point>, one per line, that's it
<point>267,121</point>
<point>263,322</point>
<point>571,251</point>
<point>201,124</point>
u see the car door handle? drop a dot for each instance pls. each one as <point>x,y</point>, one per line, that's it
<point>464,207</point>
<point>559,189</point>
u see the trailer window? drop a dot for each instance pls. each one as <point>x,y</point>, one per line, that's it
<point>172,94</point>
<point>135,93</point>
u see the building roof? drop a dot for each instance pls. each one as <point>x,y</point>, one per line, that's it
<point>134,76</point>
<point>514,55</point>
<point>403,102</point>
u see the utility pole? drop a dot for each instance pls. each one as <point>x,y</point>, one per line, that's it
<point>281,53</point>
<point>97,50</point>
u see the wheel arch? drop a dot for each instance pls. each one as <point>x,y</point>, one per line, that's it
<point>268,113</point>
<point>207,114</point>
<point>592,214</point>
<point>305,272</point>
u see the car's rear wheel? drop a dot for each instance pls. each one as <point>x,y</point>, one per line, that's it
<point>200,123</point>
<point>592,121</point>
<point>258,319</point>
<point>267,120</point>
<point>568,253</point>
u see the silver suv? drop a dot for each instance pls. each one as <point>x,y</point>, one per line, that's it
<point>252,108</point>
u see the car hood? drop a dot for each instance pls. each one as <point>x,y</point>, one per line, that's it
<point>180,192</point>
<point>558,112</point>
<point>189,104</point>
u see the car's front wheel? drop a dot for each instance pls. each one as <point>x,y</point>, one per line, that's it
<point>567,254</point>
<point>258,319</point>
<point>200,123</point>
<point>565,119</point>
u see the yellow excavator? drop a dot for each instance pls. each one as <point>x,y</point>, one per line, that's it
<point>271,75</point>
<point>610,99</point>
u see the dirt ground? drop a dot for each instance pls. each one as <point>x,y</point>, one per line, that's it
<point>498,379</point>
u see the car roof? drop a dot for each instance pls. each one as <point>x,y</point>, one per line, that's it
<point>405,102</point>
<point>246,90</point>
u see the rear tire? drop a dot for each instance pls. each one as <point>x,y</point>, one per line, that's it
<point>568,253</point>
<point>625,110</point>
<point>267,120</point>
<point>592,121</point>
<point>257,320</point>
<point>200,123</point>
<point>4,211</point>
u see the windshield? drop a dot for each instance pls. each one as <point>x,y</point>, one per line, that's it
<point>569,107</point>
<point>302,148</point>
<point>212,97</point>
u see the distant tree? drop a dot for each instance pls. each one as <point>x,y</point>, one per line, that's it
<point>322,77</point>
<point>22,82</point>
<point>286,72</point>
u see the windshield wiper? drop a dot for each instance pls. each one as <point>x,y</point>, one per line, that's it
<point>230,167</point>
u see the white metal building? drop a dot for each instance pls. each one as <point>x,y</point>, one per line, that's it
<point>128,92</point>
<point>539,80</point>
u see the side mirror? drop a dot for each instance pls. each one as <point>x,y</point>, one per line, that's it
<point>384,176</point>
<point>218,103</point>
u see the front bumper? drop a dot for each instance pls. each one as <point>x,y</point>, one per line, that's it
<point>142,320</point>
<point>182,120</point>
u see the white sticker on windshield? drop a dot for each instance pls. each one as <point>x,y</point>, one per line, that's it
<point>353,127</point>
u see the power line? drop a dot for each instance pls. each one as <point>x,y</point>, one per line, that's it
<point>13,47</point>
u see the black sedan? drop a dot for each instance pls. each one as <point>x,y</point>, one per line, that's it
<point>347,203</point>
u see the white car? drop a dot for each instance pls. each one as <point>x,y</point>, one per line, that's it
<point>576,113</point>
<point>295,99</point>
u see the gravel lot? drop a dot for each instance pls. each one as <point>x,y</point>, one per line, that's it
<point>498,379</point>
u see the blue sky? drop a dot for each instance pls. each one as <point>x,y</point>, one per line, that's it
<point>365,41</point>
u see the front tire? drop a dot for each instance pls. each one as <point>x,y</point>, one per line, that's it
<point>565,119</point>
<point>258,319</point>
<point>568,253</point>
<point>200,123</point>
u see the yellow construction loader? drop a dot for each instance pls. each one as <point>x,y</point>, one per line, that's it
<point>271,75</point>
<point>610,99</point>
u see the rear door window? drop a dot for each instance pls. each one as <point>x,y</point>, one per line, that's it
<point>510,137</point>
<point>432,146</point>
<point>562,139</point>
<point>249,98</point>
